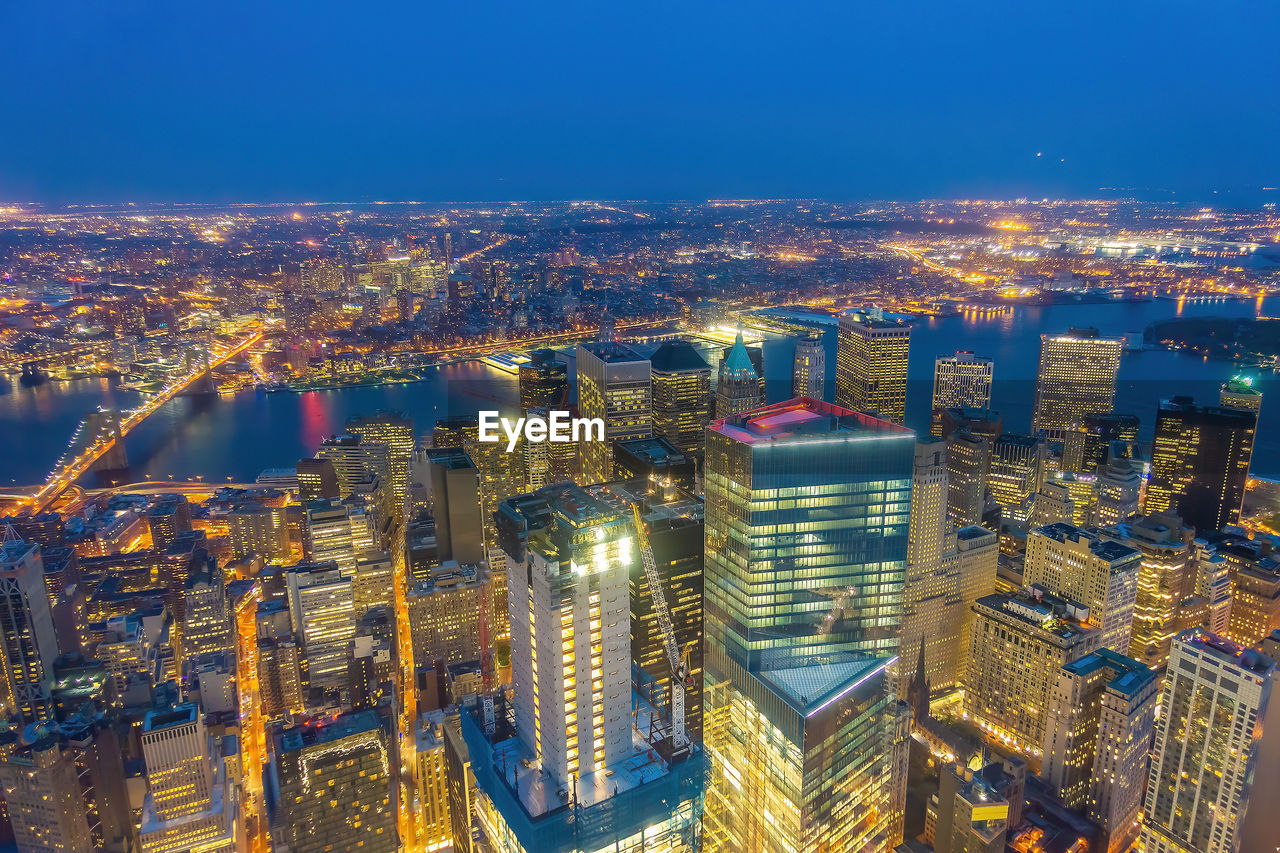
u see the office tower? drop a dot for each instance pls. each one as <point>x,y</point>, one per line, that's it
<point>1020,641</point>
<point>445,610</point>
<point>335,531</point>
<point>1052,504</point>
<point>1101,720</point>
<point>968,461</point>
<point>1206,745</point>
<point>977,558</point>
<point>1254,575</point>
<point>615,385</point>
<point>322,615</point>
<point>190,804</point>
<point>431,775</point>
<point>871,366</point>
<point>395,430</point>
<point>738,387</point>
<point>960,380</point>
<point>652,459</point>
<point>1080,564</point>
<point>95,748</point>
<point>317,480</point>
<point>1087,444</point>
<point>207,625</point>
<point>372,584</point>
<point>930,613</point>
<point>455,502</point>
<point>1166,578</point>
<point>1200,463</point>
<point>30,644</point>
<point>257,529</point>
<point>500,478</point>
<point>570,644</point>
<point>1119,491</point>
<point>354,458</point>
<point>673,519</point>
<point>972,815</point>
<point>809,368</point>
<point>1077,377</point>
<point>835,595</point>
<point>1014,474</point>
<point>544,381</point>
<point>1213,581</point>
<point>42,795</point>
<point>168,516</point>
<point>681,396</point>
<point>280,676</point>
<point>333,778</point>
<point>1239,393</point>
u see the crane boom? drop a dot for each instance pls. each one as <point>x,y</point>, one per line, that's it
<point>680,676</point>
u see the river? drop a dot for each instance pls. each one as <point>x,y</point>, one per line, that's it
<point>237,437</point>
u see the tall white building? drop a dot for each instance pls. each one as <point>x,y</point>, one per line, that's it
<point>569,601</point>
<point>191,805</point>
<point>1079,564</point>
<point>1215,697</point>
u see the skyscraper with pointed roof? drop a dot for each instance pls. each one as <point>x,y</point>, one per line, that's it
<point>738,383</point>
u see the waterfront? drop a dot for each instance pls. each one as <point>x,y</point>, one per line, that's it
<point>241,435</point>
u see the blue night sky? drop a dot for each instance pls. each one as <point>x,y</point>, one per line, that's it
<point>276,100</point>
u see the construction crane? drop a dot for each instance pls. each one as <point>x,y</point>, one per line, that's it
<point>681,678</point>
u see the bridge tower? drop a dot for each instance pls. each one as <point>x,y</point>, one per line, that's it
<point>204,385</point>
<point>106,423</point>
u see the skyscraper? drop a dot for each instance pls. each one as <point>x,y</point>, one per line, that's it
<point>978,558</point>
<point>42,794</point>
<point>1013,474</point>
<point>738,386</point>
<point>395,430</point>
<point>968,462</point>
<point>1087,445</point>
<point>681,396</point>
<point>809,367</point>
<point>615,385</point>
<point>931,607</point>
<point>570,639</point>
<point>1118,490</point>
<point>1078,563</point>
<point>544,381</point>
<point>1200,463</point>
<point>322,614</point>
<point>1077,377</point>
<point>1165,580</point>
<point>871,366</point>
<point>189,803</point>
<point>1100,725</point>
<point>801,625</point>
<point>455,502</point>
<point>334,782</point>
<point>30,643</point>
<point>1019,642</point>
<point>959,380</point>
<point>1214,701</point>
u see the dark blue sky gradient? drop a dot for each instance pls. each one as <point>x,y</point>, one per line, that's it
<point>275,100</point>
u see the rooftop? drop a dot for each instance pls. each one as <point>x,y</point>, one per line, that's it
<point>678,356</point>
<point>612,352</point>
<point>812,686</point>
<point>800,418</point>
<point>1130,676</point>
<point>327,730</point>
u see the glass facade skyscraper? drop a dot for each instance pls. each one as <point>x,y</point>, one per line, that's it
<point>807,509</point>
